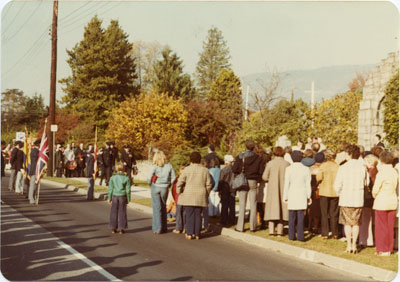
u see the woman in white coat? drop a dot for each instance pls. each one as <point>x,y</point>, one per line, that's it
<point>297,194</point>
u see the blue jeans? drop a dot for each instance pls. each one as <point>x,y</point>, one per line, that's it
<point>299,215</point>
<point>159,196</point>
<point>118,217</point>
<point>90,190</point>
<point>32,189</point>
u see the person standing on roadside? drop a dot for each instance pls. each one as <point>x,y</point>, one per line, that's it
<point>385,204</point>
<point>13,172</point>
<point>119,196</point>
<point>32,171</point>
<point>18,166</point>
<point>90,175</point>
<point>161,176</point>
<point>349,184</point>
<point>252,165</point>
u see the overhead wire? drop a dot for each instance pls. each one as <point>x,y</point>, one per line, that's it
<point>7,40</point>
<point>12,21</point>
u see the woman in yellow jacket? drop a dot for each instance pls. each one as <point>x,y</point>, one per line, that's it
<point>385,204</point>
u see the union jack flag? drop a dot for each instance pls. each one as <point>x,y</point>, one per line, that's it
<point>43,157</point>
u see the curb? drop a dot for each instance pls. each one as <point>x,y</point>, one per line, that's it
<point>338,263</point>
<point>341,264</point>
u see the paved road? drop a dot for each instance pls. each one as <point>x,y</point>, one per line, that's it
<point>33,252</point>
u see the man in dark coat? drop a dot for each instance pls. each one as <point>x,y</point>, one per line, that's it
<point>107,159</point>
<point>89,173</point>
<point>17,165</point>
<point>32,171</point>
<point>252,165</point>
<point>3,158</point>
<point>115,155</point>
<point>13,172</point>
<point>128,160</point>
<point>59,160</point>
<point>80,160</point>
<point>211,155</point>
<point>100,165</point>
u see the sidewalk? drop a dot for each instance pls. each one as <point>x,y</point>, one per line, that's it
<point>341,264</point>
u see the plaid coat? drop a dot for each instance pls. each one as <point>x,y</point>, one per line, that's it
<point>193,186</point>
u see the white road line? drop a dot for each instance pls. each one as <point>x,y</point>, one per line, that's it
<point>93,265</point>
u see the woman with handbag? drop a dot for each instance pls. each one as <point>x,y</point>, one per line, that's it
<point>160,178</point>
<point>251,165</point>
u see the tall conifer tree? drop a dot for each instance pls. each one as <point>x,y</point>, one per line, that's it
<point>214,57</point>
<point>102,72</point>
<point>170,79</point>
<point>227,92</point>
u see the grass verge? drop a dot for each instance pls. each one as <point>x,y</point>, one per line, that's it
<point>76,183</point>
<point>334,248</point>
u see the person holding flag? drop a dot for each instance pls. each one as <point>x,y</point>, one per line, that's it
<point>34,155</point>
<point>90,172</point>
<point>27,162</point>
<point>43,158</point>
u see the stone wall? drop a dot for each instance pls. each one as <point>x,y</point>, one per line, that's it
<point>370,115</point>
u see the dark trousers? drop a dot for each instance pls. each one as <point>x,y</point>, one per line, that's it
<point>59,172</point>
<point>329,215</point>
<point>102,175</point>
<point>180,218</point>
<point>90,190</point>
<point>118,218</point>
<point>193,220</point>
<point>108,170</point>
<point>227,209</point>
<point>299,216</point>
<point>69,173</point>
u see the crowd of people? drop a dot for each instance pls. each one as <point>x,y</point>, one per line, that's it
<point>309,187</point>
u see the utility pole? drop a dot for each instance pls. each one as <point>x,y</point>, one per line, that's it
<point>247,104</point>
<point>53,76</point>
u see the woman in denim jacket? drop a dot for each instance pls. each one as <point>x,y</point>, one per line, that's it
<point>165,175</point>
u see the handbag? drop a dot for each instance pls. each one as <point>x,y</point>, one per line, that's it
<point>154,178</point>
<point>240,181</point>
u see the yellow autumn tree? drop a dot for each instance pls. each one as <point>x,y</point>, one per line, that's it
<point>336,119</point>
<point>150,120</point>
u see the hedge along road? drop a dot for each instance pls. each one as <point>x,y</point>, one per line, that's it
<point>138,254</point>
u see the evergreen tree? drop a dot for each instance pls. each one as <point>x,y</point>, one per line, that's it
<point>226,91</point>
<point>102,72</point>
<point>34,111</point>
<point>213,59</point>
<point>169,77</point>
<point>391,111</point>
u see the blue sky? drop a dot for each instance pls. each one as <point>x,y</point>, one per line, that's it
<point>260,35</point>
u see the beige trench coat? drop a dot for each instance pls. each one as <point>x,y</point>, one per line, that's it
<point>274,174</point>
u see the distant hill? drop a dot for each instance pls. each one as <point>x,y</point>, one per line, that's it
<point>328,81</point>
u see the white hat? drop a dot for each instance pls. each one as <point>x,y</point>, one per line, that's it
<point>228,158</point>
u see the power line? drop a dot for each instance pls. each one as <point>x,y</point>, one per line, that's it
<point>27,52</point>
<point>83,17</point>
<point>79,8</point>
<point>80,24</point>
<point>7,40</point>
<point>12,21</point>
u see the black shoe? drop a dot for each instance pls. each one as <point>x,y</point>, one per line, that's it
<point>114,231</point>
<point>239,230</point>
<point>121,231</point>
